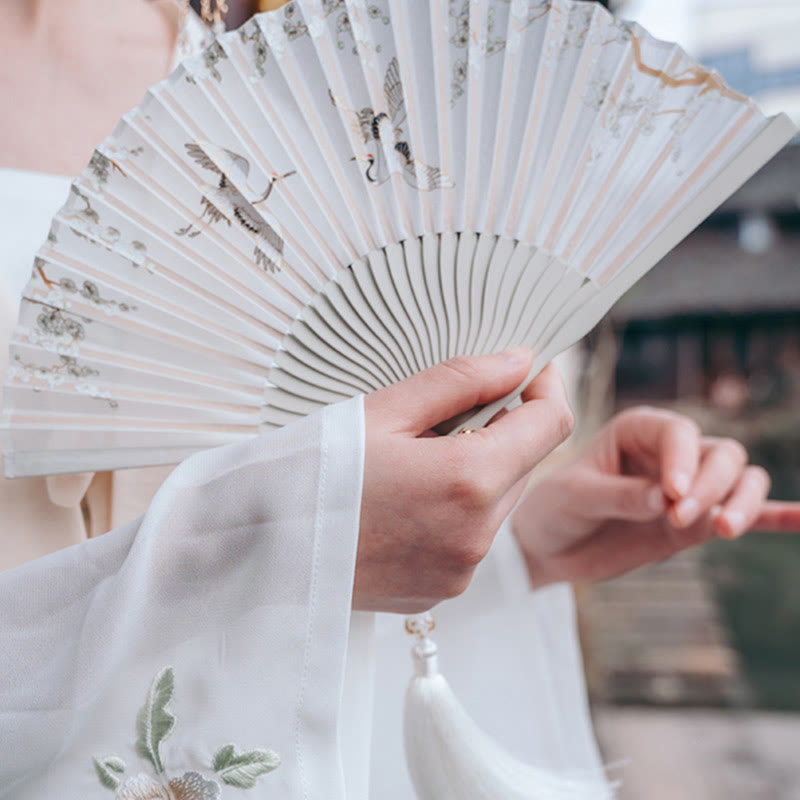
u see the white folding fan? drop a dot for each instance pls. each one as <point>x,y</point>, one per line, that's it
<point>344,192</point>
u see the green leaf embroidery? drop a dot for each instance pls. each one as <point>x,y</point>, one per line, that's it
<point>244,769</point>
<point>106,767</point>
<point>223,756</point>
<point>154,722</point>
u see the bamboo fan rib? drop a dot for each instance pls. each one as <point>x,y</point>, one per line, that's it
<point>342,193</point>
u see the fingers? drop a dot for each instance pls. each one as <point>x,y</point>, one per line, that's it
<point>741,510</point>
<point>450,388</point>
<point>547,384</point>
<point>779,517</point>
<point>680,455</point>
<point>520,439</point>
<point>587,501</point>
<point>720,469</point>
<point>672,440</point>
<point>617,497</point>
<point>618,547</point>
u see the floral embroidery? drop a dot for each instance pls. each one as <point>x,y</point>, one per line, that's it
<point>85,224</point>
<point>293,27</point>
<point>537,10</point>
<point>101,165</point>
<point>460,16</point>
<point>190,786</point>
<point>138,256</point>
<point>595,95</point>
<point>495,45</point>
<point>211,56</point>
<point>344,25</point>
<point>154,723</point>
<point>460,40</point>
<point>242,770</point>
<point>105,769</point>
<point>88,291</point>
<point>376,13</point>
<point>253,35</point>
<point>91,293</point>
<point>459,79</point>
<point>86,218</point>
<point>329,6</point>
<point>576,31</point>
<point>633,108</point>
<point>56,331</point>
<point>57,374</point>
<point>66,372</point>
<point>55,324</point>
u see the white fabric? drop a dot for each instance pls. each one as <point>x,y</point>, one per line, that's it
<point>513,660</point>
<point>239,577</point>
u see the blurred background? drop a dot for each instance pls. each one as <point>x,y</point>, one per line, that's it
<point>694,664</point>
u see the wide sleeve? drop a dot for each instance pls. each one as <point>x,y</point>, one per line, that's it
<point>186,654</point>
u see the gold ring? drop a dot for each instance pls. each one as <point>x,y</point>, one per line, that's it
<point>466,430</point>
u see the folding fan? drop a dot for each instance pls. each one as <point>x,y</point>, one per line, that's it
<point>340,194</point>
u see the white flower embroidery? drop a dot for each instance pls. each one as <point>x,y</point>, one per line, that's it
<point>190,786</point>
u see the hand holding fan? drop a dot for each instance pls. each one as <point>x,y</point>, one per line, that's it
<point>340,194</point>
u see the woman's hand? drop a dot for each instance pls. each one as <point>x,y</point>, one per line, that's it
<point>650,484</point>
<point>432,504</point>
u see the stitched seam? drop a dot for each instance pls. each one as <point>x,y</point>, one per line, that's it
<point>312,606</point>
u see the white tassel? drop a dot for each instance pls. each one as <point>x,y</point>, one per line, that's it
<point>451,758</point>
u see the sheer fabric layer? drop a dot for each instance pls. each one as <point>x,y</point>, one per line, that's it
<point>239,578</point>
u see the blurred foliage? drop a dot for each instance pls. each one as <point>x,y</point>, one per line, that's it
<point>756,584</point>
<point>757,579</point>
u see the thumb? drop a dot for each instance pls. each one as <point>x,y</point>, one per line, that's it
<point>440,392</point>
<point>602,496</point>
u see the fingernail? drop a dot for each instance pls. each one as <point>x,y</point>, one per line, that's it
<point>517,356</point>
<point>714,512</point>
<point>734,521</point>
<point>655,499</point>
<point>686,511</point>
<point>681,482</point>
